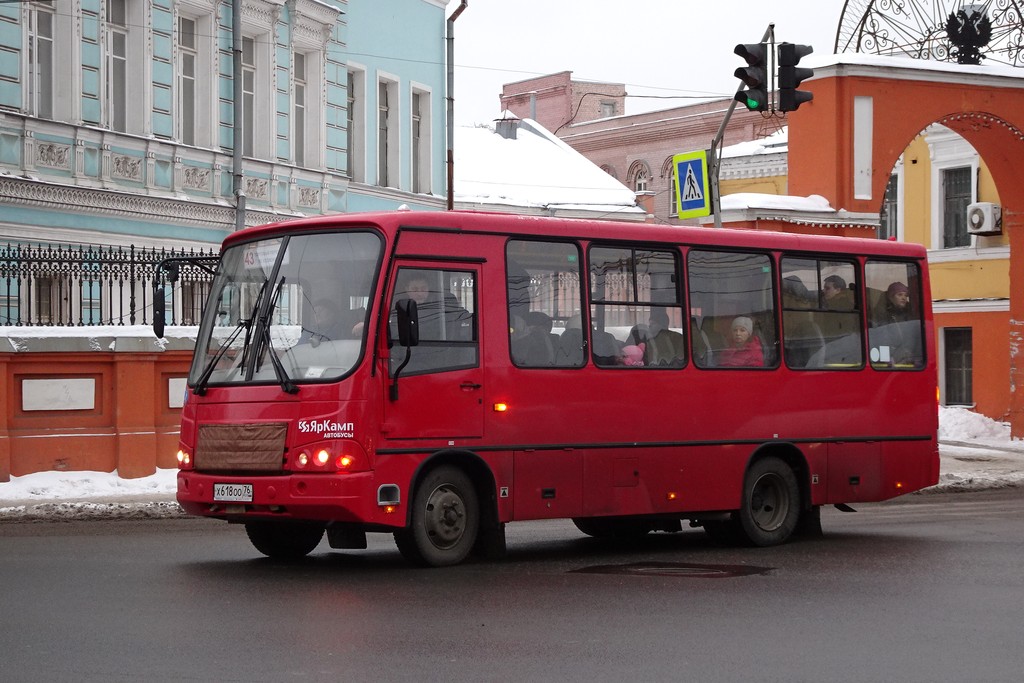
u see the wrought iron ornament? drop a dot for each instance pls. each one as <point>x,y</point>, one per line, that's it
<point>941,30</point>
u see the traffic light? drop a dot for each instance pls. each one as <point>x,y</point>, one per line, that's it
<point>754,76</point>
<point>790,76</point>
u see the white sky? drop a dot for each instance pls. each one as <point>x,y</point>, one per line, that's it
<point>992,460</point>
<point>655,47</point>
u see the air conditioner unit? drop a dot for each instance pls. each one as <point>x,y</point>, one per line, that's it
<point>984,218</point>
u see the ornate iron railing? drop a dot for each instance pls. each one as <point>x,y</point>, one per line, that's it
<point>80,285</point>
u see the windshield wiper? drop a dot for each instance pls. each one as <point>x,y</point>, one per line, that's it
<point>200,388</point>
<point>287,385</point>
<point>244,323</point>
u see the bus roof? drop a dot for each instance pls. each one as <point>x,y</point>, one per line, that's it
<point>587,229</point>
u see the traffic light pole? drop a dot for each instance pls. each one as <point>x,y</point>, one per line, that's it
<point>716,143</point>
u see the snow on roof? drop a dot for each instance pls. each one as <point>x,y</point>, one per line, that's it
<point>741,201</point>
<point>533,170</point>
<point>826,63</point>
<point>773,144</point>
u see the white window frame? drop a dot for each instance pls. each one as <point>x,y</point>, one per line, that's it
<point>204,105</point>
<point>312,153</point>
<point>259,133</point>
<point>40,84</point>
<point>389,171</point>
<point>357,113</point>
<point>898,171</point>
<point>137,97</point>
<point>421,141</point>
<point>948,150</point>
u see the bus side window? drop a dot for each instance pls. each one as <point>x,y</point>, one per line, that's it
<point>446,306</point>
<point>635,308</point>
<point>734,296</point>
<point>895,333</point>
<point>544,300</point>
<point>821,323</point>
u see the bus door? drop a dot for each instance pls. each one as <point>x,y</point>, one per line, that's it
<point>436,390</point>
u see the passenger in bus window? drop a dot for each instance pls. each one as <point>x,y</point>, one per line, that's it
<point>745,348</point>
<point>569,352</point>
<point>835,296</point>
<point>897,307</point>
<point>437,311</point>
<point>664,346</point>
<point>795,294</point>
<point>632,356</point>
<point>535,347</point>
<point>322,323</point>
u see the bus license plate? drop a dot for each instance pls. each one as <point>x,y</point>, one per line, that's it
<point>233,492</point>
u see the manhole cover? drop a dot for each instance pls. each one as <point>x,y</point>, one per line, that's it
<point>680,569</point>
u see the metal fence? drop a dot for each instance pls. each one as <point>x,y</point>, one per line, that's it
<point>80,285</point>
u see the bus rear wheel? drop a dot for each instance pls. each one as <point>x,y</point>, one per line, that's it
<point>770,509</point>
<point>445,520</point>
<point>285,540</point>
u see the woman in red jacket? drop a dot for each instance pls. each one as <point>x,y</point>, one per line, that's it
<point>746,348</point>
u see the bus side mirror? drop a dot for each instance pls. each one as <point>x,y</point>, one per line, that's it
<point>158,312</point>
<point>408,322</point>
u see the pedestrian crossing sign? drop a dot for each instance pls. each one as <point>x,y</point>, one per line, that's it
<point>691,180</point>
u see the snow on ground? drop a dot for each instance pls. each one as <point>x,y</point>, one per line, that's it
<point>975,453</point>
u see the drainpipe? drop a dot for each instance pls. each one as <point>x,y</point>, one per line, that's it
<point>451,100</point>
<point>236,82</point>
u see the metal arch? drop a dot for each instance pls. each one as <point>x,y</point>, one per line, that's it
<point>917,29</point>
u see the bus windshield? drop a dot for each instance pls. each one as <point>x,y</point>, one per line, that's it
<point>288,309</point>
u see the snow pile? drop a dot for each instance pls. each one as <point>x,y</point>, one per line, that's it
<point>961,424</point>
<point>89,495</point>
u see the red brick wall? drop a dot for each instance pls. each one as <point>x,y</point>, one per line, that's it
<point>130,427</point>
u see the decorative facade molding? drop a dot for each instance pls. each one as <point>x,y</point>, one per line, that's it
<point>257,188</point>
<point>197,179</point>
<point>309,197</point>
<point>53,156</point>
<point>126,167</point>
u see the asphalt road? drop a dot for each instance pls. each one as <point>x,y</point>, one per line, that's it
<point>927,588</point>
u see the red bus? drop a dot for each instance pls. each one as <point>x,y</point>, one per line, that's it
<point>435,375</point>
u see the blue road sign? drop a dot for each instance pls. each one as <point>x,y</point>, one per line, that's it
<point>691,179</point>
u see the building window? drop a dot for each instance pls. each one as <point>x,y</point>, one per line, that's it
<point>387,134</point>
<point>887,227</point>
<point>956,195</point>
<point>642,181</point>
<point>356,120</point>
<point>958,352</point>
<point>299,122</point>
<point>421,127</point>
<point>639,176</point>
<point>40,61</point>
<point>117,65</point>
<point>383,110</point>
<point>607,109</point>
<point>248,95</point>
<point>189,59</point>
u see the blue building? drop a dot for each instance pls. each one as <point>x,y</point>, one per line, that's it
<point>117,117</point>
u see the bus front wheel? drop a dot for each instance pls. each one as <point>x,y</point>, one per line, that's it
<point>770,509</point>
<point>445,520</point>
<point>285,540</point>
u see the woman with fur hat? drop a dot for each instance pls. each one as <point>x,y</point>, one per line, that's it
<point>897,306</point>
<point>745,348</point>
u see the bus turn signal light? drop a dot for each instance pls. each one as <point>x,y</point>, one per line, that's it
<point>500,407</point>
